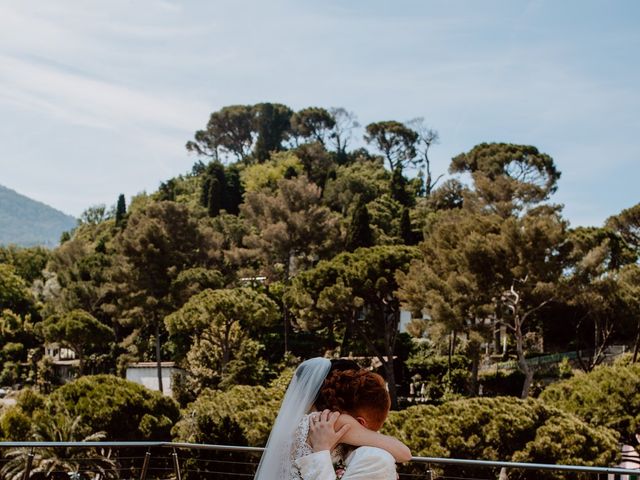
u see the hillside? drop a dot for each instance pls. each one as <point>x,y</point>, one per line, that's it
<point>26,222</point>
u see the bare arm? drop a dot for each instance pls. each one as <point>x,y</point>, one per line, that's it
<point>360,436</point>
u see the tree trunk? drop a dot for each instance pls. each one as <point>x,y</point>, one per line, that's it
<point>473,384</point>
<point>636,346</point>
<point>391,381</point>
<point>158,357</point>
<point>522,362</point>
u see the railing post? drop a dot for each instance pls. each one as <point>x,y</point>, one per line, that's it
<point>145,465</point>
<point>27,469</point>
<point>176,465</point>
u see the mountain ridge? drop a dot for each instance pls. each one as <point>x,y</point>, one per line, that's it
<point>27,222</point>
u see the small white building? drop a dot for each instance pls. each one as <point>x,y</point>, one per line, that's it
<point>146,374</point>
<point>64,360</point>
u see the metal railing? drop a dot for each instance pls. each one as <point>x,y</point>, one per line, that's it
<point>188,461</point>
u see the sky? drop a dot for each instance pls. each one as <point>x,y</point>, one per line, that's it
<point>99,98</point>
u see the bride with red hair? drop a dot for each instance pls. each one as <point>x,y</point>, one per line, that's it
<point>325,404</point>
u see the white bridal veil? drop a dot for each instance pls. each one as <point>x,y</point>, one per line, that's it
<point>276,462</point>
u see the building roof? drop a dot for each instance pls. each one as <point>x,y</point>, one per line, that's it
<point>151,365</point>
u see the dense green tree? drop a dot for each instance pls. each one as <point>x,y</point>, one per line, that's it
<point>407,233</point>
<point>28,262</point>
<point>124,410</point>
<point>508,178</point>
<point>214,328</point>
<point>627,223</point>
<point>242,415</point>
<point>213,188</point>
<point>79,331</point>
<point>359,233</point>
<point>121,210</point>
<point>267,175</point>
<point>313,124</point>
<point>291,227</point>
<point>385,220</point>
<point>448,196</point>
<point>592,288</point>
<point>159,242</point>
<point>608,396</point>
<point>229,130</point>
<point>477,270</point>
<point>78,276</point>
<point>629,285</point>
<point>396,141</point>
<point>192,281</point>
<point>502,429</point>
<point>399,190</point>
<point>353,295</point>
<point>360,181</point>
<point>14,292</point>
<point>273,126</point>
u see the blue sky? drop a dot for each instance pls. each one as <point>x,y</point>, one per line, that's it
<point>99,98</point>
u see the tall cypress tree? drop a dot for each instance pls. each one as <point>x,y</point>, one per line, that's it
<point>121,210</point>
<point>409,237</point>
<point>233,190</point>
<point>216,195</point>
<point>214,189</point>
<point>359,234</point>
<point>399,188</point>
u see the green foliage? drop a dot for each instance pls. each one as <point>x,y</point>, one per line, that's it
<point>503,429</point>
<point>396,141</point>
<point>272,125</point>
<point>221,189</point>
<point>229,129</point>
<point>193,281</point>
<point>359,233</point>
<point>161,240</point>
<point>121,210</point>
<point>313,123</point>
<point>351,296</point>
<point>15,425</point>
<point>242,415</point>
<point>28,262</point>
<point>79,331</point>
<point>436,376</point>
<point>608,396</point>
<point>472,263</point>
<point>267,175</point>
<point>60,427</point>
<point>14,292</point>
<point>385,221</point>
<point>212,330</point>
<point>362,181</point>
<point>123,410</point>
<point>291,227</point>
<point>627,223</point>
<point>508,177</point>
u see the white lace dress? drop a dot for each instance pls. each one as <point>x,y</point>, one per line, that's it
<point>363,463</point>
<point>301,448</point>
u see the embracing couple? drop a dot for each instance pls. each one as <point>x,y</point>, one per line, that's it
<point>327,427</point>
